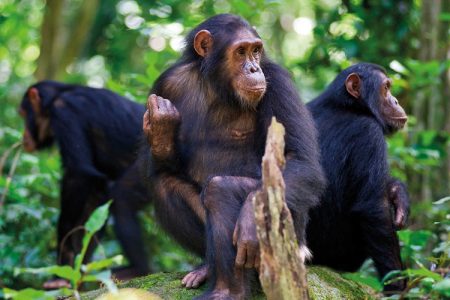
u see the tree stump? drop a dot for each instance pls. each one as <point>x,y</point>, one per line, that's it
<point>282,271</point>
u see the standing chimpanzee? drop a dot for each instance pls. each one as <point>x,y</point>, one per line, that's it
<point>207,144</point>
<point>353,221</point>
<point>97,132</point>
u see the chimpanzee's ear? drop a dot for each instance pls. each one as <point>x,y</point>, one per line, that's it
<point>35,100</point>
<point>203,42</point>
<point>353,85</point>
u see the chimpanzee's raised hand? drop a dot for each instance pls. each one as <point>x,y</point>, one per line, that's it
<point>160,124</point>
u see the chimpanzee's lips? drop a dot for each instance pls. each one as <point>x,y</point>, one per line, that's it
<point>400,121</point>
<point>256,89</point>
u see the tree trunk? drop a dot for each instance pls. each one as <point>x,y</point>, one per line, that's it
<point>445,126</point>
<point>61,45</point>
<point>78,34</point>
<point>48,58</point>
<point>430,105</point>
<point>282,272</point>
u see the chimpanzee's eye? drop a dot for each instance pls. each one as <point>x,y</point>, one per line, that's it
<point>241,51</point>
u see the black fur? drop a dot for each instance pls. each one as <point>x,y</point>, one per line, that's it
<point>97,132</point>
<point>353,221</point>
<point>208,157</point>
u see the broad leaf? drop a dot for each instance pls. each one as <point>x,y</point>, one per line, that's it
<point>98,218</point>
<point>66,272</point>
<point>104,263</point>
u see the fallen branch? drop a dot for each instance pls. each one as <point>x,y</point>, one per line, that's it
<point>282,272</point>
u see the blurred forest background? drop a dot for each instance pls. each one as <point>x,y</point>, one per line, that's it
<point>124,45</point>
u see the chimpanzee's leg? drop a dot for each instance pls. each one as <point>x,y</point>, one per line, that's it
<point>130,196</point>
<point>223,198</point>
<point>180,211</point>
<point>80,196</point>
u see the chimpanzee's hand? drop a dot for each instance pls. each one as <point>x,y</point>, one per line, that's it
<point>399,198</point>
<point>244,237</point>
<point>160,124</point>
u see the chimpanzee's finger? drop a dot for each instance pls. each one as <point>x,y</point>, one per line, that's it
<point>235,235</point>
<point>152,104</point>
<point>250,260</point>
<point>167,106</point>
<point>241,255</point>
<point>400,218</point>
<point>146,120</point>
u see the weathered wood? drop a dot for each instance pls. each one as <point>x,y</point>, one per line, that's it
<point>282,272</point>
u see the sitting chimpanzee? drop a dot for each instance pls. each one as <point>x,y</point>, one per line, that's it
<point>353,221</point>
<point>97,132</point>
<point>207,143</point>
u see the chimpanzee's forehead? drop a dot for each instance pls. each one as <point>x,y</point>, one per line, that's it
<point>384,78</point>
<point>246,35</point>
<point>380,74</point>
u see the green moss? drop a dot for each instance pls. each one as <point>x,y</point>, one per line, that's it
<point>324,284</point>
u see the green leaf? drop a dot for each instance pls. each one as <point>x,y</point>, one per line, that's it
<point>442,201</point>
<point>422,272</point>
<point>26,294</point>
<point>443,287</point>
<point>98,218</point>
<point>104,263</point>
<point>398,67</point>
<point>417,238</point>
<point>444,17</point>
<point>94,224</point>
<point>368,280</point>
<point>80,256</point>
<point>392,276</point>
<point>66,272</point>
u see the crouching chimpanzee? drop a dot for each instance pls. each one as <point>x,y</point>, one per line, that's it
<point>97,132</point>
<point>207,129</point>
<point>353,221</point>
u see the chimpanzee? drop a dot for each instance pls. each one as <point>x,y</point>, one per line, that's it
<point>98,133</point>
<point>207,129</point>
<point>353,220</point>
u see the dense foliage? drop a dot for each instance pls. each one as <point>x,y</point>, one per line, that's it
<point>128,43</point>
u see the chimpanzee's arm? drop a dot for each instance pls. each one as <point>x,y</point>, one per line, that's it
<point>303,174</point>
<point>160,124</point>
<point>370,175</point>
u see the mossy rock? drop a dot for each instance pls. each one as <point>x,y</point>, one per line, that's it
<point>323,283</point>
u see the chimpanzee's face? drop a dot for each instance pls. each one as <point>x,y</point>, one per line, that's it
<point>391,111</point>
<point>243,57</point>
<point>37,132</point>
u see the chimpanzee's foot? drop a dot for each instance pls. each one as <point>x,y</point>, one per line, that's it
<point>195,278</point>
<point>55,284</point>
